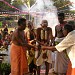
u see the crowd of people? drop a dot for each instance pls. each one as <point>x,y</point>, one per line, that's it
<point>5,37</point>
<point>30,47</point>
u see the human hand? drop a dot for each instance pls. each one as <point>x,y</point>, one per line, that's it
<point>32,41</point>
<point>43,47</point>
<point>36,48</point>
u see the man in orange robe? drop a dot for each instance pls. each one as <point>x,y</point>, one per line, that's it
<point>19,65</point>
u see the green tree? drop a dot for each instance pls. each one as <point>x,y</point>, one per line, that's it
<point>62,5</point>
<point>17,4</point>
<point>4,6</point>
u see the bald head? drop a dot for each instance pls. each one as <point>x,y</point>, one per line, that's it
<point>44,23</point>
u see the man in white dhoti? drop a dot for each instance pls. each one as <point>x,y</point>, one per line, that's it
<point>68,45</point>
<point>60,57</point>
<point>44,35</point>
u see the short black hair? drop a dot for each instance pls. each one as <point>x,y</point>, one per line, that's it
<point>68,27</point>
<point>72,22</point>
<point>61,14</point>
<point>21,21</point>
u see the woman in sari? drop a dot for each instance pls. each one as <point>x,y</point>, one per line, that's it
<point>19,65</point>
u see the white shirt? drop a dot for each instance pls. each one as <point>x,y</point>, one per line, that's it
<point>68,44</point>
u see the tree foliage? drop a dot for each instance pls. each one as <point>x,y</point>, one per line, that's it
<point>16,4</point>
<point>3,6</point>
<point>62,5</point>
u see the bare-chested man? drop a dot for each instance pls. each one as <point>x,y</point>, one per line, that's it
<point>61,60</point>
<point>19,45</point>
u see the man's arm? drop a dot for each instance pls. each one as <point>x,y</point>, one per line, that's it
<point>52,48</point>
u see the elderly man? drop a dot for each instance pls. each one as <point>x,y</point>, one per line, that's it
<point>44,36</point>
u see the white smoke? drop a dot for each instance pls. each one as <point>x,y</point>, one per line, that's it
<point>44,9</point>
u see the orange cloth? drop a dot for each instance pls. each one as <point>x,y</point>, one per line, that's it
<point>73,71</point>
<point>19,65</point>
<point>70,70</point>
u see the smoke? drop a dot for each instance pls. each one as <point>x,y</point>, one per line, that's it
<point>44,9</point>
